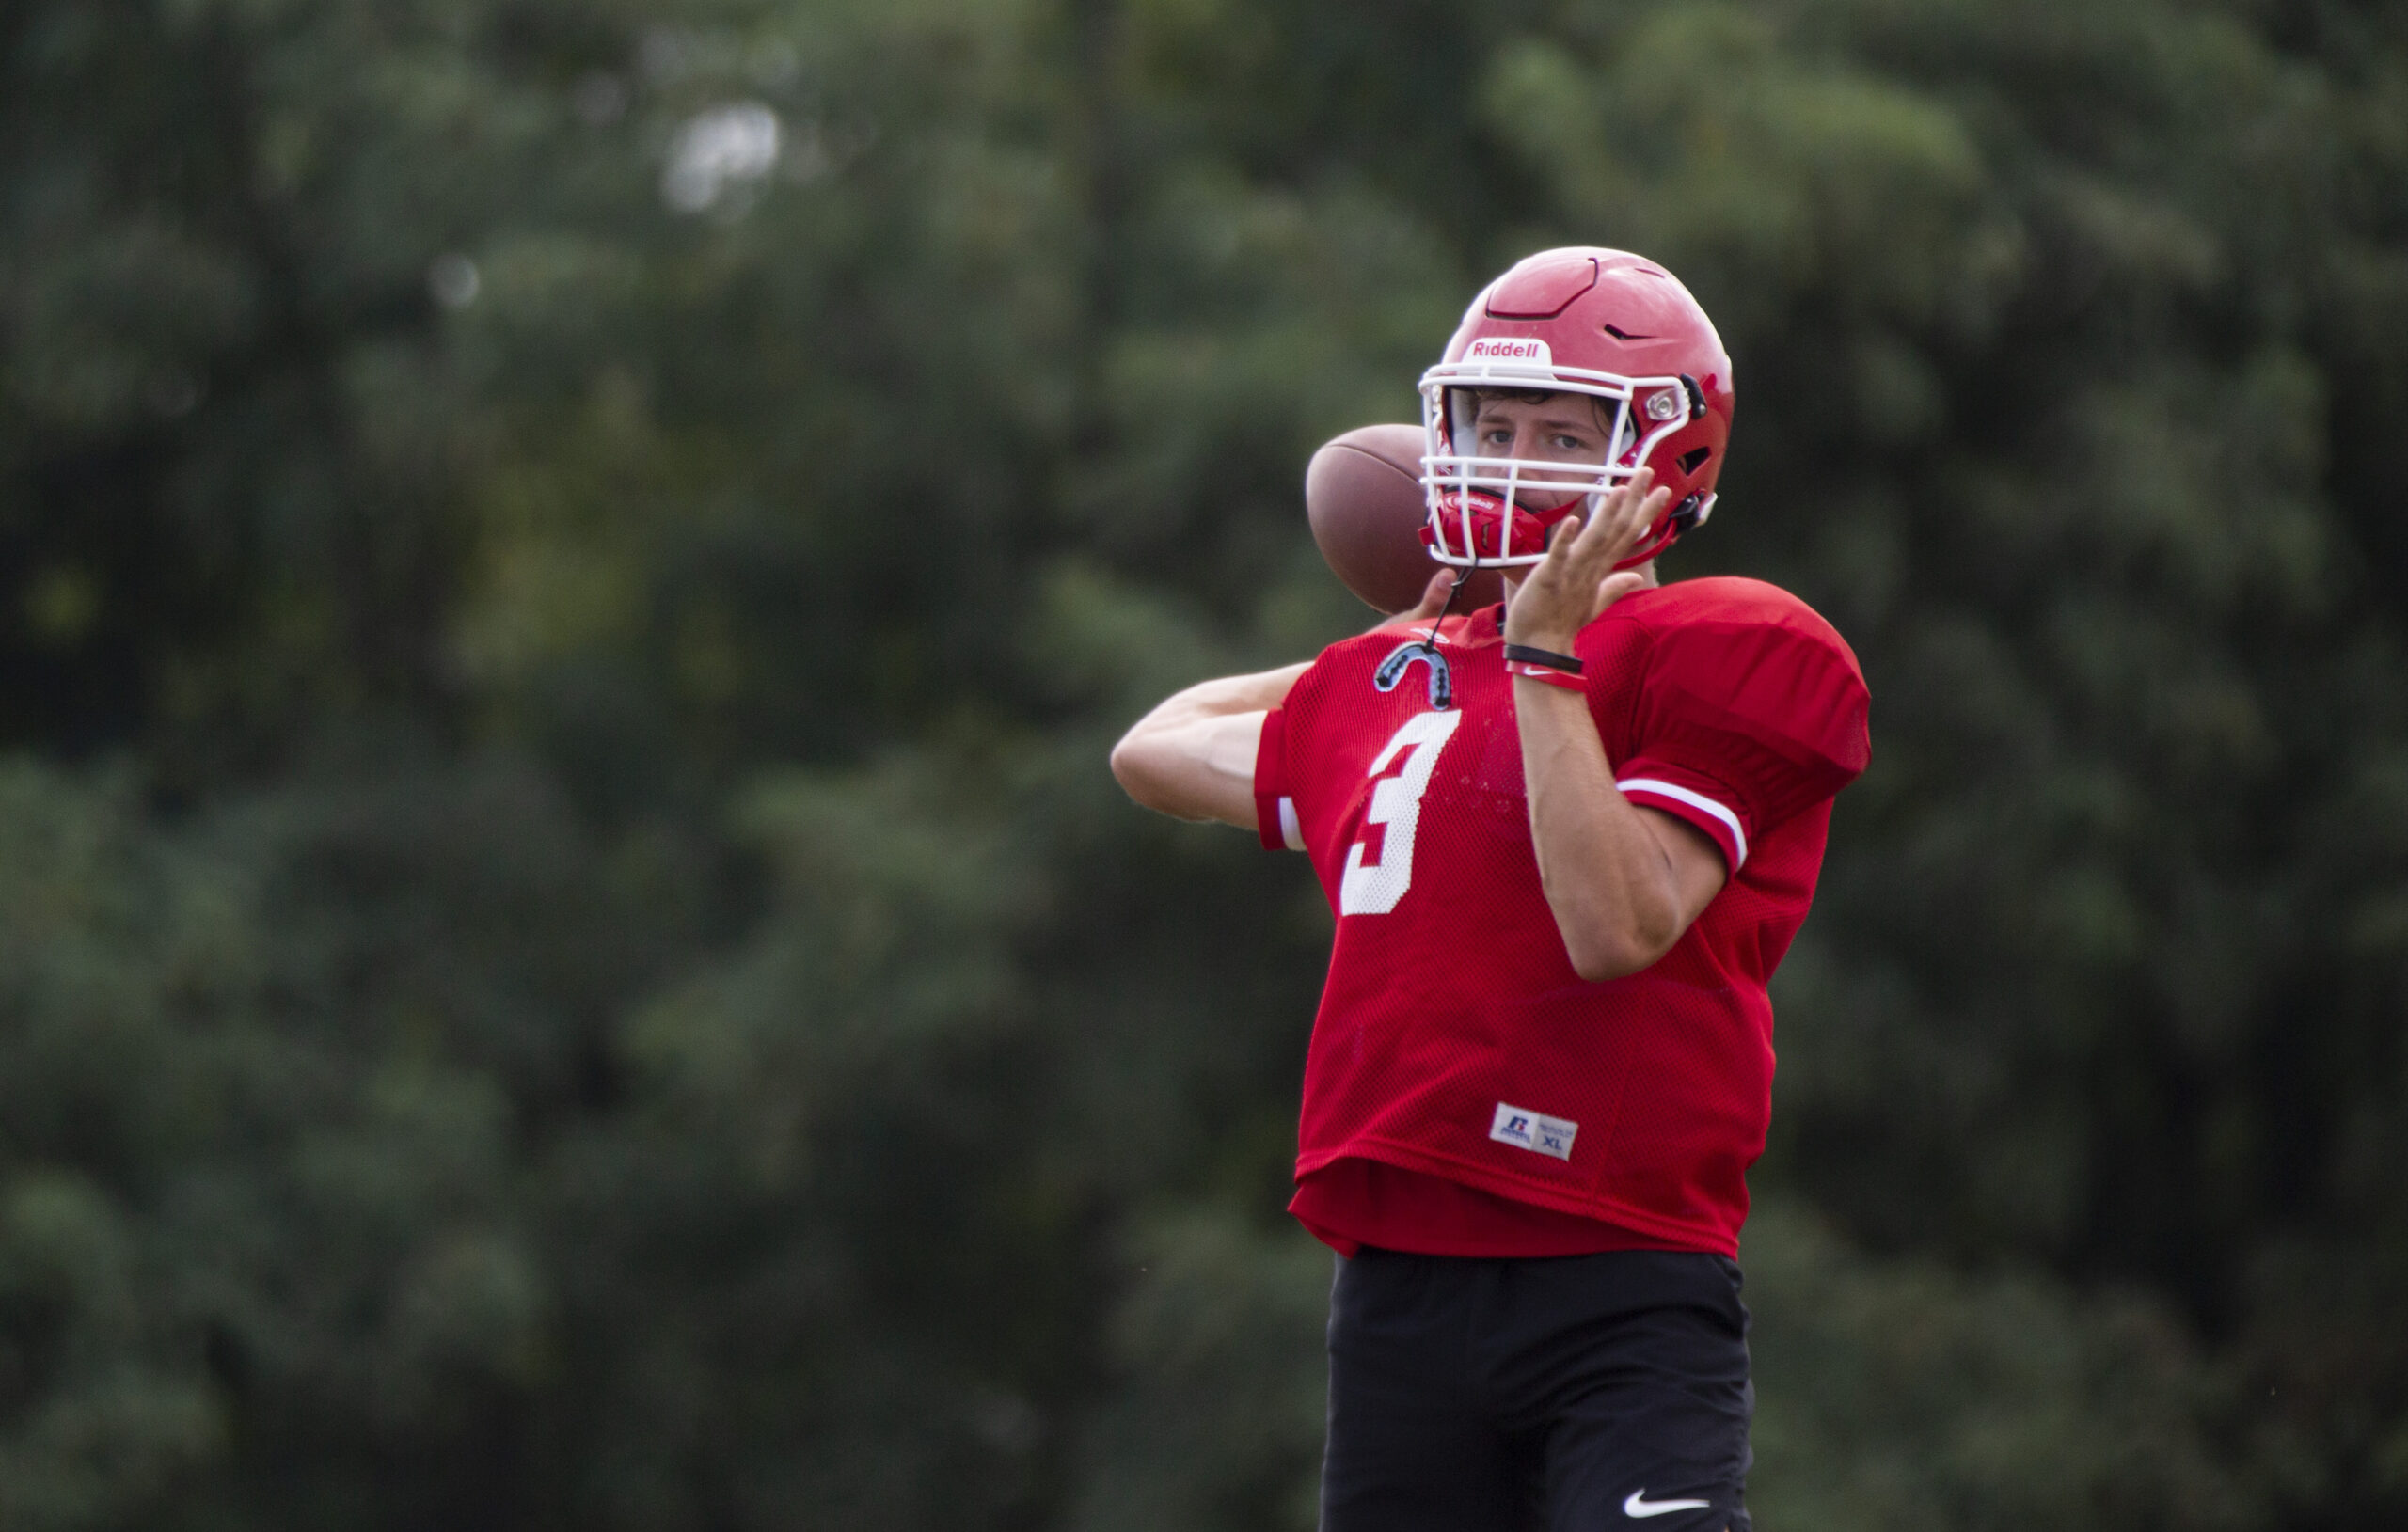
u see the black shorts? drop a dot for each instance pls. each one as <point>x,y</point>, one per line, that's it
<point>1569,1394</point>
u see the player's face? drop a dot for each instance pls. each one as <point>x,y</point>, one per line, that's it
<point>1551,428</point>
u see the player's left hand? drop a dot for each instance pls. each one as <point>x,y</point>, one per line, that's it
<point>1567,590</point>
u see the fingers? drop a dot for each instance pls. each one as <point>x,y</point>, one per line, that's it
<point>1614,587</point>
<point>1433,602</point>
<point>1621,517</point>
<point>1559,538</point>
<point>1577,581</point>
<point>1638,502</point>
<point>1433,595</point>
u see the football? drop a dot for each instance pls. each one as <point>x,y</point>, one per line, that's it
<point>1363,496</point>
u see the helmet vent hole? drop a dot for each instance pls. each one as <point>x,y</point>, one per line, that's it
<point>1621,334</point>
<point>1692,458</point>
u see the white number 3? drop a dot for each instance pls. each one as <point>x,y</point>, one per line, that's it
<point>1374,888</point>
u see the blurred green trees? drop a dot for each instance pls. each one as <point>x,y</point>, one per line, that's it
<point>567,956</point>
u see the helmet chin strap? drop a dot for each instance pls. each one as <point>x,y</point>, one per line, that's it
<point>1462,577</point>
<point>1429,645</point>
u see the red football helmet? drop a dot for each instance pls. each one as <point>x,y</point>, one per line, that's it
<point>1579,320</point>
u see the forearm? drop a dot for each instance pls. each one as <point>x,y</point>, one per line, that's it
<point>1608,878</point>
<point>1220,697</point>
<point>1192,756</point>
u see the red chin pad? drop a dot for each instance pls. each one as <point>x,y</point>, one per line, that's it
<point>1530,528</point>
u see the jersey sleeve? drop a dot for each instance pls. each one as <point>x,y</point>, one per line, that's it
<point>1740,725</point>
<point>1275,801</point>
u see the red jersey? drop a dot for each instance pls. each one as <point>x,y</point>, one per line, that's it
<point>1453,1039</point>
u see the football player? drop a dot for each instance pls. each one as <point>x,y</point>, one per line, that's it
<point>1567,840</point>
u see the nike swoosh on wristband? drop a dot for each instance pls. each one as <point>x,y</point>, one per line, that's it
<point>1637,1504</point>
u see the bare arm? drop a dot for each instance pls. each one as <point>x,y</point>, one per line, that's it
<point>1193,757</point>
<point>1624,882</point>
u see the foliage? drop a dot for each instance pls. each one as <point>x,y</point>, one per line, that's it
<point>567,956</point>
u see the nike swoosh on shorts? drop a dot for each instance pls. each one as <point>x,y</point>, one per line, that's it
<point>1639,1504</point>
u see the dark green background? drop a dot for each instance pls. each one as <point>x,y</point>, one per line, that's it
<point>569,957</point>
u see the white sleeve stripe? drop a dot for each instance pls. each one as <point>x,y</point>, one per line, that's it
<point>1695,801</point>
<point>1290,832</point>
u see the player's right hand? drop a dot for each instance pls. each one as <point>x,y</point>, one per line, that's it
<point>1433,602</point>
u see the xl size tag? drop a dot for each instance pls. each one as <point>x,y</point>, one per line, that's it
<point>1528,1129</point>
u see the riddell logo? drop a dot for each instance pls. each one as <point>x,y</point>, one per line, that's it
<point>1510,349</point>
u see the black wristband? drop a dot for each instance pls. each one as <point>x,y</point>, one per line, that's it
<point>1522,654</point>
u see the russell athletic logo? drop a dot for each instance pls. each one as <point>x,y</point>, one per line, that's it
<point>1526,1129</point>
<point>1502,348</point>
